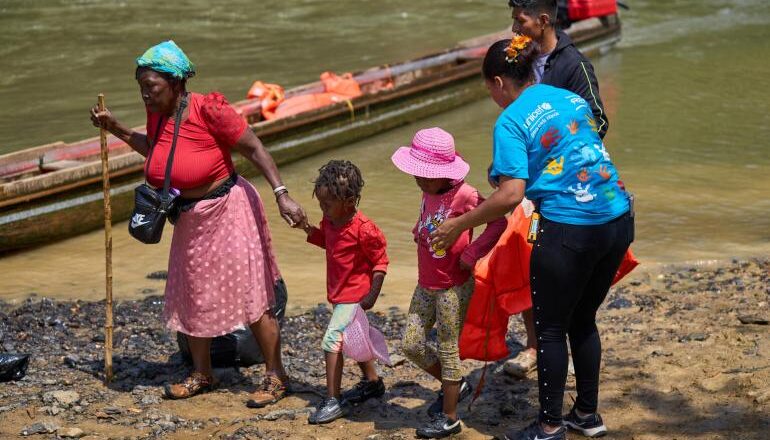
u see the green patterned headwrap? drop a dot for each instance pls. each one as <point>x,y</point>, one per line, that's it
<point>169,58</point>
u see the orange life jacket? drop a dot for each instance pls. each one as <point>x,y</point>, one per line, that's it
<point>502,289</point>
<point>336,89</point>
<point>344,86</point>
<point>270,96</point>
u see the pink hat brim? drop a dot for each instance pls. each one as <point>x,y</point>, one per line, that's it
<point>379,346</point>
<point>362,342</point>
<point>455,170</point>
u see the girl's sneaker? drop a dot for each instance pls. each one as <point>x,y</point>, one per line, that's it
<point>535,432</point>
<point>363,391</point>
<point>590,426</point>
<point>440,426</point>
<point>438,405</point>
<point>329,410</point>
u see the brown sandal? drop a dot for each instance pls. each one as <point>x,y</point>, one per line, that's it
<point>196,383</point>
<point>271,390</point>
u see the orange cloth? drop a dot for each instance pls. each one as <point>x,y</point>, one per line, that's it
<point>270,97</point>
<point>502,289</point>
<point>336,89</point>
<point>301,103</point>
<point>345,86</point>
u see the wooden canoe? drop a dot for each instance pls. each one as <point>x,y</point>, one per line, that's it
<point>54,191</point>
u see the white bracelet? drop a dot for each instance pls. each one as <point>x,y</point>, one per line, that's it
<point>278,189</point>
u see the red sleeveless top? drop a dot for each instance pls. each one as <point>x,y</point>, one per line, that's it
<point>203,145</point>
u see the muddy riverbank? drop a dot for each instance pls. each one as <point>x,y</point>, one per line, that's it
<point>686,356</point>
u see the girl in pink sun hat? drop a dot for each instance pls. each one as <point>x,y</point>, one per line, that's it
<point>444,284</point>
<point>432,155</point>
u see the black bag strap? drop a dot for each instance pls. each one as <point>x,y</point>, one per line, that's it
<point>165,200</point>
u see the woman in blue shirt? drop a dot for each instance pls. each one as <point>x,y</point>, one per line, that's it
<point>547,147</point>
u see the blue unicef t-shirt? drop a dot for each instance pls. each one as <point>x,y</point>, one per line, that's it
<point>548,137</point>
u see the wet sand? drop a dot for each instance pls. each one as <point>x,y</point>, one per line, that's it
<point>686,356</point>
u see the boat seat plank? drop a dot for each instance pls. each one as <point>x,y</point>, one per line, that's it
<point>19,162</point>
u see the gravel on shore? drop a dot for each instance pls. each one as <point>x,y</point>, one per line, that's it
<point>686,355</point>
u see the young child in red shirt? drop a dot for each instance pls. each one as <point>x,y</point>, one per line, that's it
<point>356,263</point>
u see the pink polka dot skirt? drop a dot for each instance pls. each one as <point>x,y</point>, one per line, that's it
<point>221,267</point>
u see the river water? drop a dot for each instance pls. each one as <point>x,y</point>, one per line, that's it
<point>687,92</point>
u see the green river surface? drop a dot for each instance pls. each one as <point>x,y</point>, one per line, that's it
<point>687,92</point>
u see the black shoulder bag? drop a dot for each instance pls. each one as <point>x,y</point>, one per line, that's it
<point>151,206</point>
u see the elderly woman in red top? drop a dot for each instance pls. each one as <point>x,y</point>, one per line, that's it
<point>222,270</point>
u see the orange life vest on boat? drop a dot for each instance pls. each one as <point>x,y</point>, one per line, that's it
<point>302,103</point>
<point>502,289</point>
<point>345,86</point>
<point>336,89</point>
<point>270,96</point>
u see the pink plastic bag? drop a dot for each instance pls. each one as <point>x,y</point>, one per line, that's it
<point>362,342</point>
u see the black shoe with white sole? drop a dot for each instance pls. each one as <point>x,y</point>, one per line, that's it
<point>438,405</point>
<point>535,432</point>
<point>329,410</point>
<point>590,426</point>
<point>363,391</point>
<point>440,426</point>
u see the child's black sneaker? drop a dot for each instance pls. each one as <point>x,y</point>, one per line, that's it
<point>440,426</point>
<point>590,426</point>
<point>438,405</point>
<point>329,410</point>
<point>535,432</point>
<point>363,391</point>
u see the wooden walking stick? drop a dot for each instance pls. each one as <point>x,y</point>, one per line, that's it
<point>107,250</point>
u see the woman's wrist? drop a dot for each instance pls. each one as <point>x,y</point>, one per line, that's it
<point>280,192</point>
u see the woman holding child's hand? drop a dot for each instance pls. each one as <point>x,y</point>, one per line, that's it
<point>222,274</point>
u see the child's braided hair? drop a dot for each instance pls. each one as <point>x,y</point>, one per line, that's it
<point>341,178</point>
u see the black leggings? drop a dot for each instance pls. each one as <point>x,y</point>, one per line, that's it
<point>571,271</point>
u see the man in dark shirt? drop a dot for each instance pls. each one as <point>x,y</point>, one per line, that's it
<point>561,63</point>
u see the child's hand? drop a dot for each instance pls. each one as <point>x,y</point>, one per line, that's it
<point>368,301</point>
<point>307,227</point>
